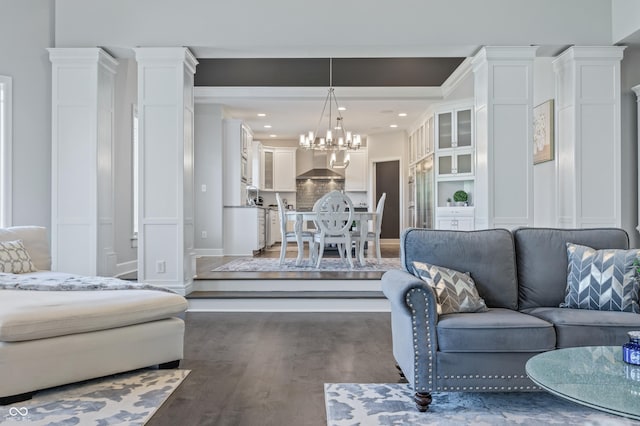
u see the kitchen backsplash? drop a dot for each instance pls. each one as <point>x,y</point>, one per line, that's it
<point>309,191</point>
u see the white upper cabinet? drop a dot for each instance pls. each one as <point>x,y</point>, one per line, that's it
<point>284,173</point>
<point>355,175</point>
<point>237,161</point>
<point>454,128</point>
<point>274,168</point>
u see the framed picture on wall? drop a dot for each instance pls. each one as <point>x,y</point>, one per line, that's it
<point>543,132</point>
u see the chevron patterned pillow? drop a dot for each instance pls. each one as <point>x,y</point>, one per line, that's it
<point>602,280</point>
<point>456,291</point>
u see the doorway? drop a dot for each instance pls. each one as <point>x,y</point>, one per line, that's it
<point>387,179</point>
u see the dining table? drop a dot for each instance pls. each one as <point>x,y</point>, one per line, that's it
<point>299,217</point>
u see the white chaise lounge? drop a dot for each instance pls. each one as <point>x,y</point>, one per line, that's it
<point>51,338</point>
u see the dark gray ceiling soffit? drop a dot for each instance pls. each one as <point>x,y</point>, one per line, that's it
<point>314,72</point>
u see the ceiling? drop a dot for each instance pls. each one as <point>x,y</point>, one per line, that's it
<point>371,108</point>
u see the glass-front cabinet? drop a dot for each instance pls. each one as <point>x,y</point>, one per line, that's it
<point>454,128</point>
<point>455,162</point>
<point>424,186</point>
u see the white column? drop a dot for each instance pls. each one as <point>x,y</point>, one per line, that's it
<point>503,86</point>
<point>636,90</point>
<point>82,228</point>
<point>166,180</point>
<point>589,141</point>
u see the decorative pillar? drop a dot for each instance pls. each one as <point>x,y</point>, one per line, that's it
<point>636,90</point>
<point>82,226</point>
<point>503,86</point>
<point>166,179</point>
<point>589,141</point>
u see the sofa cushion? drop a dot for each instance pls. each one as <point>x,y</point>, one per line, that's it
<point>602,280</point>
<point>541,254</point>
<point>35,240</point>
<point>579,327</point>
<point>497,330</point>
<point>455,290</point>
<point>28,315</point>
<point>14,258</point>
<point>487,255</point>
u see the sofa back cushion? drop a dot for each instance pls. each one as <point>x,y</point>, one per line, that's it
<point>35,241</point>
<point>541,255</point>
<point>488,255</point>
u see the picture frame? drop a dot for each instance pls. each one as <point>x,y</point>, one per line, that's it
<point>543,132</point>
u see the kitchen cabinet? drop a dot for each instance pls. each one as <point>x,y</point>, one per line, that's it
<point>237,159</point>
<point>273,225</point>
<point>355,175</point>
<point>455,162</point>
<point>244,230</point>
<point>274,168</point>
<point>456,218</point>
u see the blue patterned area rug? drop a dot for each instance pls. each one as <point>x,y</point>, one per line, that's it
<point>392,404</point>
<point>265,264</point>
<point>122,399</point>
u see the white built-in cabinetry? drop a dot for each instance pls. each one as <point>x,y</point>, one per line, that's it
<point>244,230</point>
<point>237,165</point>
<point>355,175</point>
<point>274,168</point>
<point>454,166</point>
<point>421,174</point>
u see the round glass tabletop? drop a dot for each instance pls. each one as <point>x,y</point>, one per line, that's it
<point>594,376</point>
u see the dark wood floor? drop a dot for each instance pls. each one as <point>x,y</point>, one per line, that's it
<point>270,368</point>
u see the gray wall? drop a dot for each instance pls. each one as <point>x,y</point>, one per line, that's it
<point>630,76</point>
<point>26,31</point>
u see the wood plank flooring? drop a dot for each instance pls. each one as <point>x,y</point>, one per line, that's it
<point>269,368</point>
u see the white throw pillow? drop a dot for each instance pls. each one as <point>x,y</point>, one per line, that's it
<point>14,258</point>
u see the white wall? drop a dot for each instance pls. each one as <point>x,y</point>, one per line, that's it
<point>26,30</point>
<point>544,174</point>
<point>126,94</point>
<point>398,28</point>
<point>625,19</point>
<point>630,76</point>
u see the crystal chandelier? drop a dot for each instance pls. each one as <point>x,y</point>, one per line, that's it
<point>336,138</point>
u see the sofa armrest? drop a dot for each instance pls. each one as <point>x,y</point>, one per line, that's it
<point>414,317</point>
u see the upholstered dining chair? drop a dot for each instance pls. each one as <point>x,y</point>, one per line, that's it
<point>375,234</point>
<point>290,236</point>
<point>334,215</point>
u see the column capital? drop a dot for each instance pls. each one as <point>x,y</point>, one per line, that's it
<point>82,55</point>
<point>589,53</point>
<point>168,55</point>
<point>503,53</point>
<point>636,90</point>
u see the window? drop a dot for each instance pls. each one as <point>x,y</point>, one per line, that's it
<point>5,150</point>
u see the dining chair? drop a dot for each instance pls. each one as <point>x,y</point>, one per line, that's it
<point>375,234</point>
<point>334,215</point>
<point>290,236</point>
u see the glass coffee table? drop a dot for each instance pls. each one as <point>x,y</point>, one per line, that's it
<point>594,376</point>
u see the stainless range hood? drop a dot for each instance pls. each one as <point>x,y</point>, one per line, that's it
<point>320,174</point>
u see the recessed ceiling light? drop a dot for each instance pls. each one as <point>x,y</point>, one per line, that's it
<point>267,126</point>
<point>273,136</point>
<point>402,114</point>
<point>393,125</point>
<point>262,114</point>
<point>342,108</point>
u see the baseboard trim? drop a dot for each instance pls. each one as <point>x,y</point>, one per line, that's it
<point>288,305</point>
<point>209,252</point>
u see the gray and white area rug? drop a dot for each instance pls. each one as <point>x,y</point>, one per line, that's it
<point>392,404</point>
<point>263,264</point>
<point>122,399</point>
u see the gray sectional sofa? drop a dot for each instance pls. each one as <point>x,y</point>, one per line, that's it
<point>522,277</point>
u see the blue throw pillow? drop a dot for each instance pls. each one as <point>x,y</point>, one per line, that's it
<point>602,280</point>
